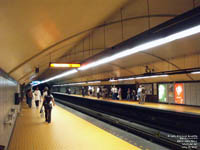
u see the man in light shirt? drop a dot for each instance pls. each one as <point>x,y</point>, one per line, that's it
<point>98,92</point>
<point>37,96</point>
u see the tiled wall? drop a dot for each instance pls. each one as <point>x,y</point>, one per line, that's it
<point>7,90</point>
<point>192,93</point>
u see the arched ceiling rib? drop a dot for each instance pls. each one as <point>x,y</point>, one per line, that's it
<point>82,32</point>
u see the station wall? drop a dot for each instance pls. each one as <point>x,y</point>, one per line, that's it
<point>192,93</point>
<point>7,90</point>
<point>189,93</point>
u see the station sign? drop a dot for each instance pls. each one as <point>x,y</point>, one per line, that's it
<point>179,93</point>
<point>64,65</point>
<point>162,92</point>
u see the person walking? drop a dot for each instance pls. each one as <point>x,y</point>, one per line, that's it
<point>37,96</point>
<point>47,103</point>
<point>29,98</point>
<point>45,92</point>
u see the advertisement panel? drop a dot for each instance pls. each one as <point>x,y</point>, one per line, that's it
<point>179,93</point>
<point>162,91</point>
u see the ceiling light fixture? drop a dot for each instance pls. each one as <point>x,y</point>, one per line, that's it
<point>196,72</point>
<point>60,75</point>
<point>112,80</point>
<point>145,46</point>
<point>126,79</point>
<point>64,65</point>
<point>153,76</point>
<point>91,82</point>
<point>142,47</point>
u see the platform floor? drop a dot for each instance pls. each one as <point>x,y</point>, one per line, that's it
<point>170,107</point>
<point>66,132</point>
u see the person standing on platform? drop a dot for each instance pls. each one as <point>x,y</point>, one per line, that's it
<point>98,92</point>
<point>133,95</point>
<point>93,91</point>
<point>143,95</point>
<point>83,91</point>
<point>128,97</point>
<point>115,92</point>
<point>112,91</point>
<point>37,96</point>
<point>120,94</point>
<point>139,91</point>
<point>29,98</point>
<point>103,93</point>
<point>47,103</point>
<point>90,91</point>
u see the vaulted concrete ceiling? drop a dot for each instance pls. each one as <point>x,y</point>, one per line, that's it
<point>34,33</point>
<point>28,28</point>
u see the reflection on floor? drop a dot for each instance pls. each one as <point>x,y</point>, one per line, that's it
<point>66,132</point>
<point>171,107</point>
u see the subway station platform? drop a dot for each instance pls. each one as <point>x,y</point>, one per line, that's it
<point>153,121</point>
<point>66,132</point>
<point>169,107</point>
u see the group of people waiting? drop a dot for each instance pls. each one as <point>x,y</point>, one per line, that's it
<point>116,93</point>
<point>46,99</point>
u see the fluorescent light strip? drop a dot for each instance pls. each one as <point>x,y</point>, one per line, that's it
<point>112,80</point>
<point>125,79</point>
<point>76,83</point>
<point>143,47</point>
<point>154,76</point>
<point>61,75</point>
<point>197,72</point>
<point>91,82</point>
<point>70,84</point>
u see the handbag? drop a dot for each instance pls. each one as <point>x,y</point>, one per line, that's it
<point>41,112</point>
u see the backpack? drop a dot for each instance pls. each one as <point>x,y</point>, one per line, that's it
<point>47,101</point>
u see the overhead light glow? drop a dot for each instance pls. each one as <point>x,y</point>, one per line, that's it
<point>142,47</point>
<point>125,79</point>
<point>91,82</point>
<point>60,75</point>
<point>196,72</point>
<point>64,65</point>
<point>145,46</point>
<point>154,76</point>
<point>78,83</point>
<point>112,80</point>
